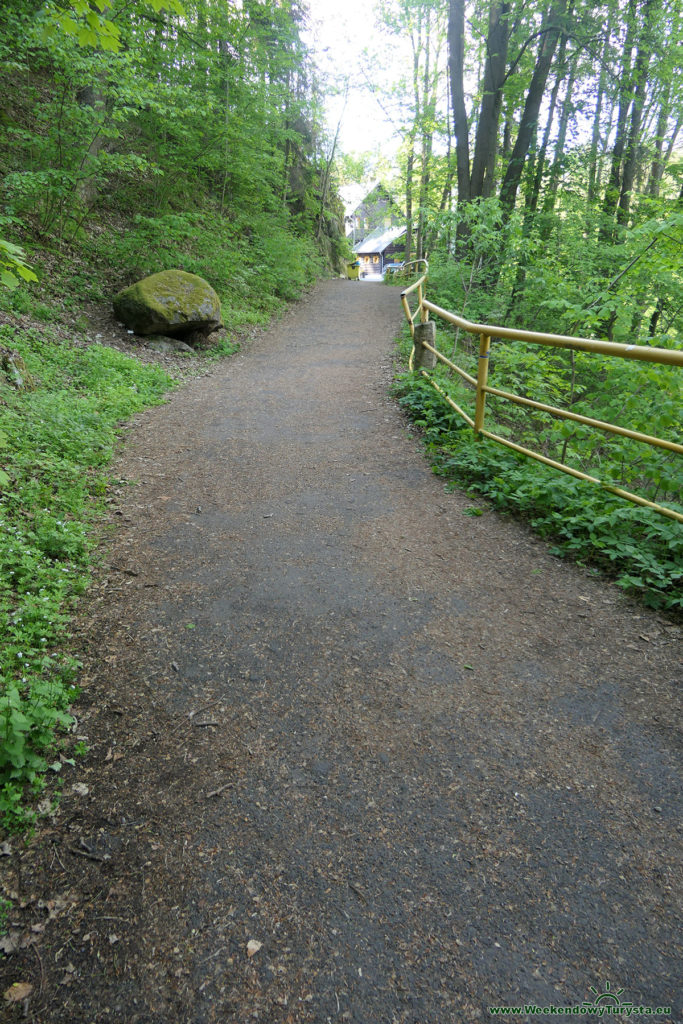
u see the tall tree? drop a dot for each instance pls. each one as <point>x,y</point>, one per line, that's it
<point>423,24</point>
<point>593,166</point>
<point>478,180</point>
<point>640,78</point>
<point>456,65</point>
<point>553,23</point>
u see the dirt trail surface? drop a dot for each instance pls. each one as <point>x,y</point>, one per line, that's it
<point>355,755</point>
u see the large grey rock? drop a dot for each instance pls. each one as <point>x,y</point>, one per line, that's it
<point>172,303</point>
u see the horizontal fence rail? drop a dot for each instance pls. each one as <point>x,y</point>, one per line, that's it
<point>481,387</point>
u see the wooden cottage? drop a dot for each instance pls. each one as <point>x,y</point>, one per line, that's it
<point>381,248</point>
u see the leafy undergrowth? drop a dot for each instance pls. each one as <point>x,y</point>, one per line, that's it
<point>642,550</point>
<point>55,442</point>
<point>255,267</point>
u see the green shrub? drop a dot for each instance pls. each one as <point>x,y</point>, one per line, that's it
<point>641,549</point>
<point>255,267</point>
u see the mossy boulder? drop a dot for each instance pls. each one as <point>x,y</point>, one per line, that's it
<point>172,303</point>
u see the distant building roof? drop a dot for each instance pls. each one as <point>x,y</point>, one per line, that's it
<point>379,240</point>
<point>353,195</point>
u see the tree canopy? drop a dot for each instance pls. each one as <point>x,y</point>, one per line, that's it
<point>155,106</point>
<point>541,163</point>
<point>540,142</point>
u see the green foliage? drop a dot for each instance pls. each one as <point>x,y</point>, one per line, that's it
<point>642,550</point>
<point>563,292</point>
<point>84,21</point>
<point>222,349</point>
<point>556,273</point>
<point>12,262</point>
<point>54,444</point>
<point>87,22</point>
<point>118,109</point>
<point>253,273</point>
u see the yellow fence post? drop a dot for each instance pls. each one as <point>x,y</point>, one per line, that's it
<point>482,377</point>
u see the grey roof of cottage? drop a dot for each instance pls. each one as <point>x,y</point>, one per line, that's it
<point>378,240</point>
<point>353,195</point>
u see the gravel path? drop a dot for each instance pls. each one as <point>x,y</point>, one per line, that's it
<point>355,755</point>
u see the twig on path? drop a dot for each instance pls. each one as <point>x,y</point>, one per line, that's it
<point>358,892</point>
<point>204,707</point>
<point>84,851</point>
<point>42,969</point>
<point>197,711</point>
<point>217,792</point>
<point>55,852</point>
<point>212,956</point>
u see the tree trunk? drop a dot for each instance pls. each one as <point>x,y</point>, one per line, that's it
<point>536,169</point>
<point>533,196</point>
<point>225,61</point>
<point>661,158</point>
<point>532,105</point>
<point>456,53</point>
<point>507,140</point>
<point>328,169</point>
<point>92,96</point>
<point>555,172</point>
<point>593,173</point>
<point>447,191</point>
<point>410,160</point>
<point>486,144</point>
<point>639,89</point>
<point>613,187</point>
<point>426,132</point>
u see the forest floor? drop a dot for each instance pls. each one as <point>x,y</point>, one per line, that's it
<point>355,754</point>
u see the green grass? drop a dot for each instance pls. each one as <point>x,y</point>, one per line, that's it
<point>55,443</point>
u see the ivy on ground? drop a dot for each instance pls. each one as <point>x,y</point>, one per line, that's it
<point>640,549</point>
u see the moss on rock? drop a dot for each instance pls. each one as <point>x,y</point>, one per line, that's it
<point>172,302</point>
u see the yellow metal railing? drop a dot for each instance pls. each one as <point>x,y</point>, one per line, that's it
<point>417,286</point>
<point>646,353</point>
